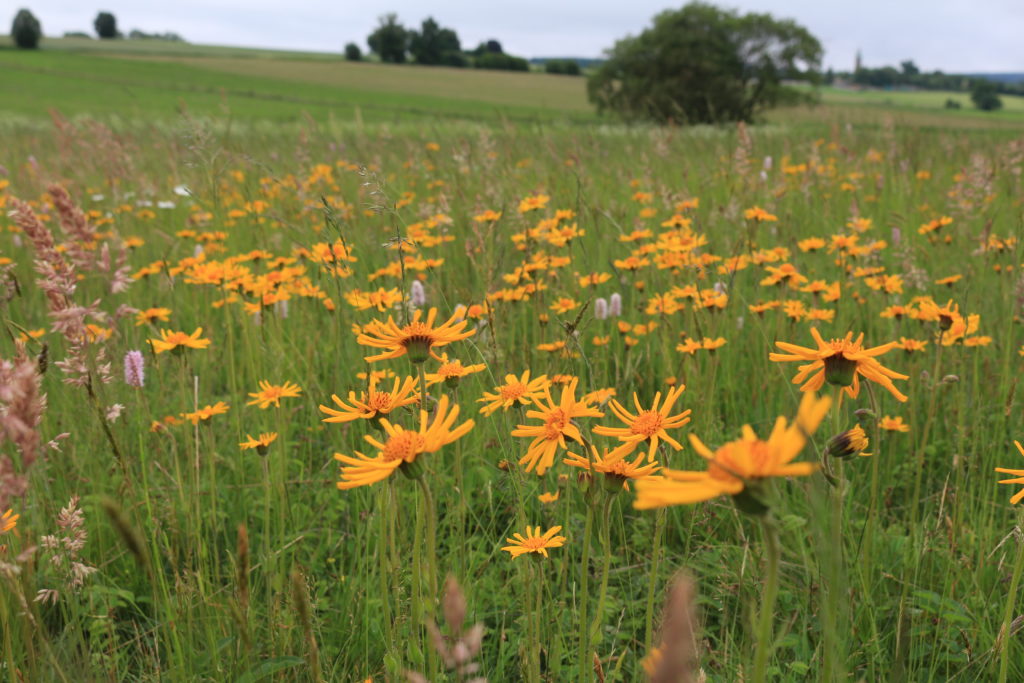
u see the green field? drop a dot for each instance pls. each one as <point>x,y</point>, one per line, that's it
<point>289,204</point>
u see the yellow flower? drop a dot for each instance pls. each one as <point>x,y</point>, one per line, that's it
<point>557,426</point>
<point>648,425</point>
<point>1019,474</point>
<point>515,391</point>
<point>534,541</point>
<point>152,314</point>
<point>204,414</point>
<point>739,466</point>
<point>175,341</point>
<point>452,371</point>
<point>548,497</point>
<point>893,424</point>
<point>402,448</point>
<point>261,444</point>
<point>417,339</point>
<point>617,470</point>
<point>839,362</point>
<point>273,393</point>
<point>8,521</point>
<point>851,442</point>
<point>373,404</point>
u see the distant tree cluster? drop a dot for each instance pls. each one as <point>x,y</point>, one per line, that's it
<point>431,45</point>
<point>567,67</point>
<point>169,36</point>
<point>984,93</point>
<point>106,26</point>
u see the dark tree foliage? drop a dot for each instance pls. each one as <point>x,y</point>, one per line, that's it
<point>353,53</point>
<point>105,25</point>
<point>25,30</point>
<point>567,67</point>
<point>985,95</point>
<point>390,40</point>
<point>500,62</point>
<point>702,64</point>
<point>433,45</point>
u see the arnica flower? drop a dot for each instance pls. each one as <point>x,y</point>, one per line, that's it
<point>205,413</point>
<point>134,369</point>
<point>851,442</point>
<point>451,371</point>
<point>176,341</point>
<point>534,541</point>
<point>515,391</point>
<point>739,468</point>
<point>271,394</point>
<point>615,467</point>
<point>557,426</point>
<point>1018,477</point>
<point>373,404</point>
<point>840,362</point>
<point>402,448</point>
<point>8,521</point>
<point>648,425</point>
<point>417,339</point>
<point>262,444</point>
<point>893,424</point>
<point>151,315</point>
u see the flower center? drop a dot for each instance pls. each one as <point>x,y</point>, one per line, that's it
<point>647,423</point>
<point>403,446</point>
<point>555,424</point>
<point>512,392</point>
<point>380,401</point>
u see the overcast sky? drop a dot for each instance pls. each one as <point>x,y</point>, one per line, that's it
<point>951,35</point>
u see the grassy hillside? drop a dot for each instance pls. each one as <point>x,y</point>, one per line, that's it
<point>156,80</point>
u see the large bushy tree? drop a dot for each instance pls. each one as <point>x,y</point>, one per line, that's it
<point>702,64</point>
<point>25,30</point>
<point>105,25</point>
<point>434,44</point>
<point>985,95</point>
<point>390,40</point>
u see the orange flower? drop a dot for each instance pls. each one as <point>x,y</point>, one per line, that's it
<point>176,341</point>
<point>417,339</point>
<point>648,424</point>
<point>273,393</point>
<point>557,426</point>
<point>839,362</point>
<point>1018,474</point>
<point>372,404</point>
<point>534,542</point>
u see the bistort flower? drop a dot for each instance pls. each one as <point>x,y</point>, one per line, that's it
<point>402,447</point>
<point>839,362</point>
<point>534,541</point>
<point>418,339</point>
<point>648,425</point>
<point>739,467</point>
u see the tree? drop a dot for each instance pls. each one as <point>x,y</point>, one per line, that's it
<point>390,41</point>
<point>433,44</point>
<point>26,30</point>
<point>985,95</point>
<point>702,64</point>
<point>105,25</point>
<point>567,67</point>
<point>353,53</point>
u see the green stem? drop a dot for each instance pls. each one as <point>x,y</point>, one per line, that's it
<point>584,650</point>
<point>606,546</point>
<point>659,532</point>
<point>765,638</point>
<point>1004,633</point>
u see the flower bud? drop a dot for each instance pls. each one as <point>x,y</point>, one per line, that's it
<point>851,442</point>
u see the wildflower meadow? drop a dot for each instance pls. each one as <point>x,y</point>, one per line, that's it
<point>458,401</point>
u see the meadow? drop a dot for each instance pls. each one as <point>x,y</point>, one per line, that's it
<point>202,284</point>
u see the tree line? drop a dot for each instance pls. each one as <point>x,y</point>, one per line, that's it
<point>26,31</point>
<point>436,45</point>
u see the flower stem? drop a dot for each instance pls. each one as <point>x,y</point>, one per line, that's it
<point>765,638</point>
<point>659,532</point>
<point>606,546</point>
<point>584,650</point>
<point>1004,632</point>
